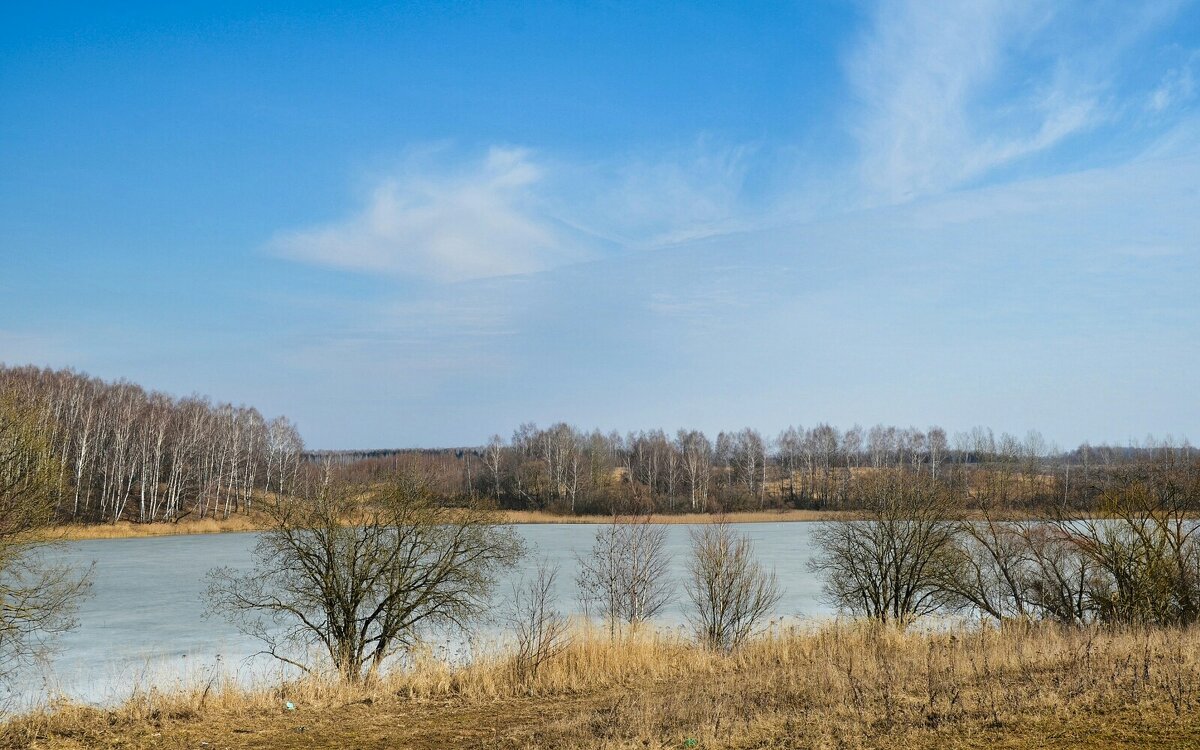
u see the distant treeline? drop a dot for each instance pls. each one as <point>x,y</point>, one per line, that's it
<point>563,469</point>
<point>124,453</point>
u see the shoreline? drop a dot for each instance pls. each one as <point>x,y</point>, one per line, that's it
<point>244,524</point>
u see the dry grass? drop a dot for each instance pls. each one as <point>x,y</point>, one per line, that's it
<point>764,516</point>
<point>836,686</point>
<point>126,529</point>
<point>238,523</point>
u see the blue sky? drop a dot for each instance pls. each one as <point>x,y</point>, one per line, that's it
<point>425,223</point>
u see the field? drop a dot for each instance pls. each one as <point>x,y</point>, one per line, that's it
<point>842,685</point>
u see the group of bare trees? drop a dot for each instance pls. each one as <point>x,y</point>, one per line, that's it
<point>625,580</point>
<point>127,453</point>
<point>567,470</point>
<point>362,573</point>
<point>917,551</point>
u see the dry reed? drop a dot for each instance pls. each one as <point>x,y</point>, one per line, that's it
<point>242,523</point>
<point>835,685</point>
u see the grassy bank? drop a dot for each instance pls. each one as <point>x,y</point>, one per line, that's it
<point>126,529</point>
<point>236,523</point>
<point>838,686</point>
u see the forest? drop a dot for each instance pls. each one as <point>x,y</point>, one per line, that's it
<point>126,453</point>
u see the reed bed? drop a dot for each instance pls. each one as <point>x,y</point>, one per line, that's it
<point>838,685</point>
<point>241,523</point>
<point>128,529</point>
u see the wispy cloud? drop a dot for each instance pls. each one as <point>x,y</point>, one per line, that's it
<point>1177,86</point>
<point>944,96</point>
<point>449,226</point>
<point>947,93</point>
<point>510,213</point>
<point>649,201</point>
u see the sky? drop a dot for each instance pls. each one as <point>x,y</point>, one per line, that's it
<point>419,224</point>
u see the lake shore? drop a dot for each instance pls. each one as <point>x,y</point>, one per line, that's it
<point>242,523</point>
<point>845,685</point>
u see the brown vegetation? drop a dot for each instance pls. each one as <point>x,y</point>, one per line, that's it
<point>128,529</point>
<point>256,522</point>
<point>126,454</point>
<point>851,685</point>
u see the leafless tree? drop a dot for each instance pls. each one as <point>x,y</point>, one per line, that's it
<point>541,631</point>
<point>730,592</point>
<point>992,570</point>
<point>749,460</point>
<point>889,566</point>
<point>697,455</point>
<point>1146,554</point>
<point>625,577</point>
<point>363,573</point>
<point>788,453</point>
<point>936,444</point>
<point>493,458</point>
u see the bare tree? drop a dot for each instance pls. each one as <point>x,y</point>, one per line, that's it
<point>625,577</point>
<point>1145,557</point>
<point>493,459</point>
<point>697,454</point>
<point>993,570</point>
<point>362,572</point>
<point>788,449</point>
<point>750,462</point>
<point>730,592</point>
<point>936,442</point>
<point>891,565</point>
<point>541,631</point>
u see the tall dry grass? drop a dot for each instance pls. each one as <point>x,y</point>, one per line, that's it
<point>240,523</point>
<point>835,685</point>
<point>127,529</point>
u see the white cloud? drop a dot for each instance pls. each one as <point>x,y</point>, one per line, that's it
<point>510,214</point>
<point>947,95</point>
<point>934,111</point>
<point>481,222</point>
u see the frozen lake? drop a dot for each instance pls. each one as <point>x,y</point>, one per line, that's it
<point>144,620</point>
